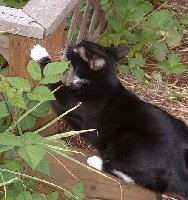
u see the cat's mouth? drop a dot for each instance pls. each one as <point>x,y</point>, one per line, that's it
<point>76,82</point>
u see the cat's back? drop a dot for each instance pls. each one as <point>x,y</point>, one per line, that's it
<point>128,111</point>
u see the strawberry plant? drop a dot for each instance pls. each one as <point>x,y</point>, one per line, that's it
<point>172,65</point>
<point>136,24</point>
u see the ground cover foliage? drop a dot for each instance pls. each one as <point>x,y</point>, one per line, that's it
<point>20,105</point>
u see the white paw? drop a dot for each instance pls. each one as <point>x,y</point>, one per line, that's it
<point>120,174</point>
<point>95,162</point>
<point>38,52</point>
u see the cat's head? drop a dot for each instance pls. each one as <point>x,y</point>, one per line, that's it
<point>93,63</point>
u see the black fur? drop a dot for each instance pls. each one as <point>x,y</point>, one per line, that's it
<point>134,137</point>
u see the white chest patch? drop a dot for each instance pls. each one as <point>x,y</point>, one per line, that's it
<point>77,81</point>
<point>95,162</point>
<point>38,52</point>
<point>120,174</point>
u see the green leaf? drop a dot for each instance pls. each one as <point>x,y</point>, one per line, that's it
<point>127,35</point>
<point>3,110</point>
<point>134,62</point>
<point>37,196</point>
<point>30,138</point>
<point>2,3</point>
<point>165,67</point>
<point>20,83</point>
<point>43,166</point>
<point>173,65</point>
<point>16,99</point>
<point>114,23</point>
<point>141,8</point>
<point>185,19</point>
<point>4,84</point>
<point>53,196</point>
<point>55,68</point>
<point>105,5</point>
<point>138,73</point>
<point>103,2</point>
<point>7,177</point>
<point>163,20</point>
<point>13,165</point>
<point>160,50</point>
<point>173,59</point>
<point>34,70</point>
<point>179,69</point>
<point>42,110</point>
<point>15,4</point>
<point>32,154</point>
<point>54,78</point>
<point>173,38</point>
<point>119,6</point>
<point>10,154</point>
<point>124,69</point>
<point>4,148</point>
<point>78,191</point>
<point>10,139</point>
<point>41,93</point>
<point>28,122</point>
<point>24,195</point>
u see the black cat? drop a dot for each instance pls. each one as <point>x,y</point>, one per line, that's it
<point>137,141</point>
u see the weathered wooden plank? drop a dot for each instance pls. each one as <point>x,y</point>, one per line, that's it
<point>11,18</point>
<point>73,23</point>
<point>4,45</point>
<point>49,13</point>
<point>94,19</point>
<point>4,41</point>
<point>96,186</point>
<point>85,18</point>
<point>101,26</point>
<point>5,53</point>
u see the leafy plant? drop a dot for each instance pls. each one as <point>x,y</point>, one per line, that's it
<point>136,24</point>
<point>20,106</point>
<point>133,67</point>
<point>172,65</point>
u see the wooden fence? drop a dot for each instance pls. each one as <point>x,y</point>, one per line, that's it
<point>44,22</point>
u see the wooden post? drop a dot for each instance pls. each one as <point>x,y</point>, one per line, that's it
<point>19,56</point>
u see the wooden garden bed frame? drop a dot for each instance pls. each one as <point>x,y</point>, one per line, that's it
<point>43,22</point>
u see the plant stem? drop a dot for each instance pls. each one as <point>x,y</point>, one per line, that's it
<point>37,179</point>
<point>57,119</point>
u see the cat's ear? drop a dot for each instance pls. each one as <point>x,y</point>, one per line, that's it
<point>97,63</point>
<point>119,52</point>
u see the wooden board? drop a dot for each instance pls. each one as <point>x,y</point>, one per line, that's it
<point>96,186</point>
<point>49,13</point>
<point>17,21</point>
<point>4,41</point>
